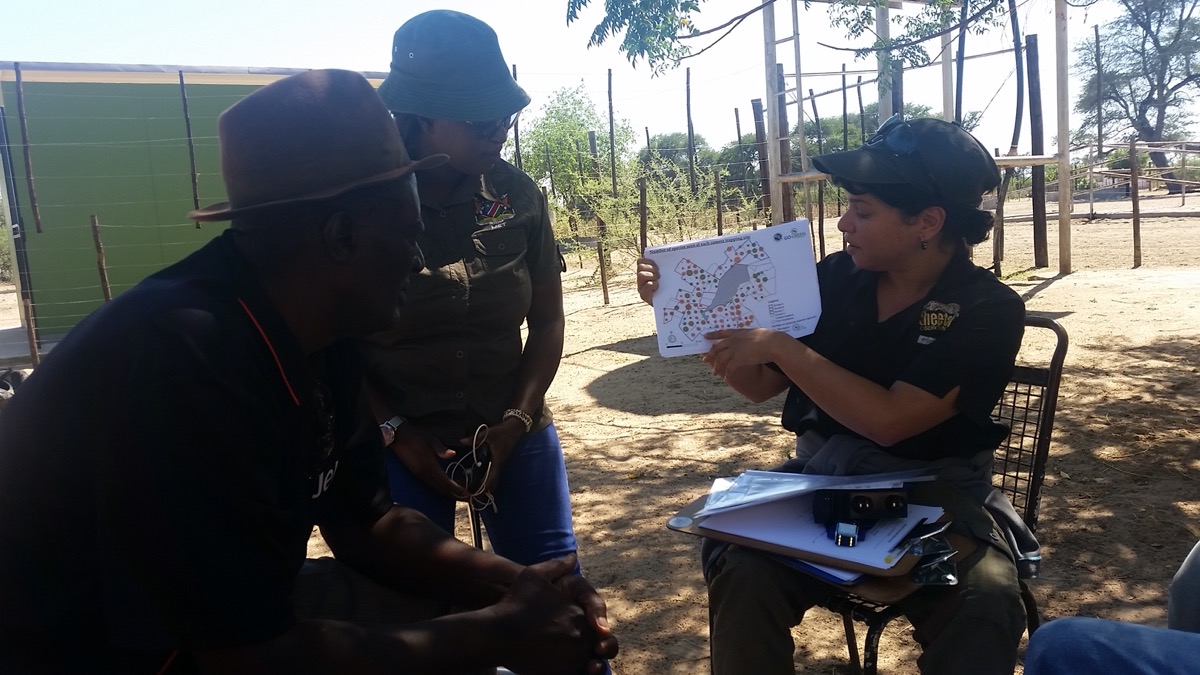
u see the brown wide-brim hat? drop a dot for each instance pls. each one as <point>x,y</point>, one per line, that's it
<point>306,138</point>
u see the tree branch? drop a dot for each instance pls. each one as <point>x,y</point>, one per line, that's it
<point>912,43</point>
<point>735,20</point>
<point>714,42</point>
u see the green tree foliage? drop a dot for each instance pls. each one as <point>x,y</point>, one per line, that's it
<point>739,164</point>
<point>670,151</point>
<point>1147,76</point>
<point>651,28</point>
<point>659,30</point>
<point>556,150</point>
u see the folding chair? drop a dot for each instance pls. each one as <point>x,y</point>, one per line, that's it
<point>1027,407</point>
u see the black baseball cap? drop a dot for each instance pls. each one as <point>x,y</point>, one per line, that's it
<point>937,157</point>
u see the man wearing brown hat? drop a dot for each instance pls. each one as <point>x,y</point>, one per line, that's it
<point>161,472</point>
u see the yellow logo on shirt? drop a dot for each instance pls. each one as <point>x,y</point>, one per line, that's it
<point>937,316</point>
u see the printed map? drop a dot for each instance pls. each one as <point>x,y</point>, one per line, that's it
<point>765,278</point>
<point>717,299</point>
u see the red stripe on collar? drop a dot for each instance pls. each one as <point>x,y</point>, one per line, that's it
<point>271,347</point>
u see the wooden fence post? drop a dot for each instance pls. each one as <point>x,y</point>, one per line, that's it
<point>104,287</point>
<point>187,127</point>
<point>642,214</point>
<point>691,136</point>
<point>602,257</point>
<point>31,334</point>
<point>517,133</point>
<point>24,120</point>
<point>720,203</point>
<point>812,99</point>
<point>1134,171</point>
<point>764,172</point>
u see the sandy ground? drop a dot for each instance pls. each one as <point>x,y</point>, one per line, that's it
<point>645,435</point>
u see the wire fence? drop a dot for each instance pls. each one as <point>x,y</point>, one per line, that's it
<point>115,177</point>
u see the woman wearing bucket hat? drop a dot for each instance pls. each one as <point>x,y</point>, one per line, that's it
<point>912,351</point>
<point>454,382</point>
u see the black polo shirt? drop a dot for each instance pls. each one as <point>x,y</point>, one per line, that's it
<point>162,469</point>
<point>964,333</point>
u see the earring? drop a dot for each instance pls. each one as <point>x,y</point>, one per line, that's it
<point>924,244</point>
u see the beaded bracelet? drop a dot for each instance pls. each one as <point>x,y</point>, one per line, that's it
<point>521,415</point>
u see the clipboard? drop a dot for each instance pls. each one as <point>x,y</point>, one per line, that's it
<point>686,521</point>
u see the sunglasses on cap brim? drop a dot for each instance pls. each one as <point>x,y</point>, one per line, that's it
<point>898,137</point>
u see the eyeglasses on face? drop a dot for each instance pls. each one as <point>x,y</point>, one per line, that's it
<point>897,136</point>
<point>492,127</point>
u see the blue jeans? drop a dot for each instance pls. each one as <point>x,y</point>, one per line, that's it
<point>1100,647</point>
<point>532,519</point>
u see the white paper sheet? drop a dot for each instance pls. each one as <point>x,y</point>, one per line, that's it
<point>789,522</point>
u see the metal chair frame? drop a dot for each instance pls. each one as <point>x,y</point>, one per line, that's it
<point>1028,406</point>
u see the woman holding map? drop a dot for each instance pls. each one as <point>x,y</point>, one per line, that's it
<point>912,351</point>
<point>459,395</point>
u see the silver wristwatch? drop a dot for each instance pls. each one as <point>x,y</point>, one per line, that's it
<point>388,429</point>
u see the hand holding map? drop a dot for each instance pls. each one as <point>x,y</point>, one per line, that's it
<point>761,279</point>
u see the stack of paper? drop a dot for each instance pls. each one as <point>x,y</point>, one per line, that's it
<point>776,509</point>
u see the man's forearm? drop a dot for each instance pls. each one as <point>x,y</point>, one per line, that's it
<point>404,546</point>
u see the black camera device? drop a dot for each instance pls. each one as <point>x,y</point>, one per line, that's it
<point>844,506</point>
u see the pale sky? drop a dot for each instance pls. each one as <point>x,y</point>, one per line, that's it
<point>549,55</point>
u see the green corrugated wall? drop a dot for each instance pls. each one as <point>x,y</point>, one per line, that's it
<point>118,151</point>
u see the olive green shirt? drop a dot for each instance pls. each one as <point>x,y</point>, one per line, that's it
<point>451,361</point>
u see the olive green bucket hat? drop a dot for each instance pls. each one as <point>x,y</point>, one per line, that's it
<point>447,65</point>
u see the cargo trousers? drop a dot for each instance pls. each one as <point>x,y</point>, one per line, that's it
<point>972,627</point>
